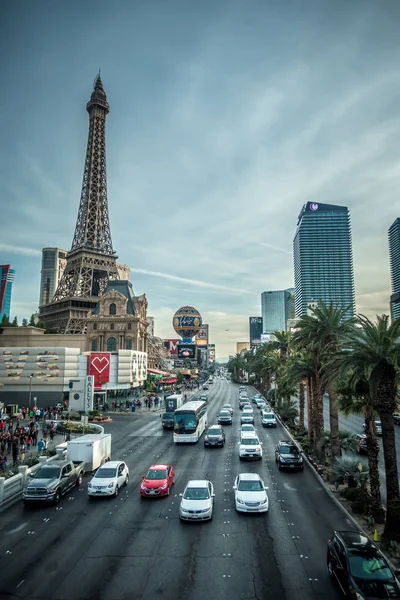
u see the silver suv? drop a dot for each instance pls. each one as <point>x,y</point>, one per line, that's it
<point>250,446</point>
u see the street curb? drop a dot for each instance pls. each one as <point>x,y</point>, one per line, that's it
<point>333,497</point>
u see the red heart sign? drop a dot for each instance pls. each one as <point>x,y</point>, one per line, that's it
<point>100,364</point>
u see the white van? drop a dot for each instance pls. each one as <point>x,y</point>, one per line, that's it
<point>268,419</point>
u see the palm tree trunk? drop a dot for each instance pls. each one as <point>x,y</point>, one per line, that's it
<point>392,523</point>
<point>373,458</point>
<point>334,423</point>
<point>301,404</point>
<point>318,408</point>
<point>310,418</point>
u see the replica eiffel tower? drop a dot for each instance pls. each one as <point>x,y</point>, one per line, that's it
<point>91,262</point>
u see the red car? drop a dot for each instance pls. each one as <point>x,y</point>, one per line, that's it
<point>158,481</point>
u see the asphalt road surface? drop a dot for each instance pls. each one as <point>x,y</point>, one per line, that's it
<point>128,548</point>
<point>354,424</point>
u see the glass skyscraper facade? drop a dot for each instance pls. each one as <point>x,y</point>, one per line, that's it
<point>323,257</point>
<point>394,253</point>
<point>54,261</point>
<point>6,283</point>
<point>277,307</point>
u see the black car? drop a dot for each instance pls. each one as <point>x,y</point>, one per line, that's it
<point>242,402</point>
<point>215,436</point>
<point>359,568</point>
<point>288,456</point>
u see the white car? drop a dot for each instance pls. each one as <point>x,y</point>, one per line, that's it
<point>247,416</point>
<point>108,479</point>
<point>268,419</point>
<point>250,493</point>
<point>228,407</point>
<point>247,427</point>
<point>197,501</point>
<point>250,446</point>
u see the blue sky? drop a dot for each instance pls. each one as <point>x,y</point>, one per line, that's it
<point>226,117</point>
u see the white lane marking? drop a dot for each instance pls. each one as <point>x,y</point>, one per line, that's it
<point>287,487</point>
<point>20,583</point>
<point>19,528</point>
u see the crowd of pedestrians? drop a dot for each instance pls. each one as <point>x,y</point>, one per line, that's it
<point>17,440</point>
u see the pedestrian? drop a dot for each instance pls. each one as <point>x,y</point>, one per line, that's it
<point>28,442</point>
<point>41,446</point>
<point>22,450</point>
<point>15,451</point>
<point>52,434</point>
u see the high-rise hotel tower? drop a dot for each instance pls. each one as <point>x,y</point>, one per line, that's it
<point>323,257</point>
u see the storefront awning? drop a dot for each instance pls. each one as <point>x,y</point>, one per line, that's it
<point>168,381</point>
<point>158,372</point>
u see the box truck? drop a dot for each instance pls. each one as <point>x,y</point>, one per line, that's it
<point>93,449</point>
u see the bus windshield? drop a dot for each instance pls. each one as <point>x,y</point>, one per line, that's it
<point>185,423</point>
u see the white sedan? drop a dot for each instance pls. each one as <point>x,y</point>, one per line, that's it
<point>250,493</point>
<point>197,501</point>
<point>108,479</point>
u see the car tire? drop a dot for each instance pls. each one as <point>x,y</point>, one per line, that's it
<point>168,491</point>
<point>126,480</point>
<point>57,497</point>
<point>116,491</point>
<point>79,480</point>
<point>279,467</point>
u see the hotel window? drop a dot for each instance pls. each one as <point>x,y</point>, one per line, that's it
<point>111,325</point>
<point>94,345</point>
<point>129,325</point>
<point>113,309</point>
<point>129,344</point>
<point>112,344</point>
<point>94,325</point>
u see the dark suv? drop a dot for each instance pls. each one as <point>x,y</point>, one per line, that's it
<point>359,568</point>
<point>287,456</point>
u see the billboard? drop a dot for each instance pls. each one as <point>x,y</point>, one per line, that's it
<point>202,337</point>
<point>132,367</point>
<point>172,346</point>
<point>211,353</point>
<point>187,351</point>
<point>53,366</point>
<point>256,329</point>
<point>267,337</point>
<point>99,367</point>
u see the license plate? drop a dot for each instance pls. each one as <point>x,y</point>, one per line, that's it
<point>195,517</point>
<point>250,455</point>
<point>152,493</point>
<point>292,466</point>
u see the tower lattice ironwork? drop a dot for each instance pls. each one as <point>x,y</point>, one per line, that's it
<point>91,262</point>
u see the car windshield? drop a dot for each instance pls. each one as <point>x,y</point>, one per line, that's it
<point>214,431</point>
<point>224,413</point>
<point>106,473</point>
<point>156,474</point>
<point>368,566</point>
<point>250,442</point>
<point>248,428</point>
<point>168,416</point>
<point>48,473</point>
<point>250,486</point>
<point>288,450</point>
<point>269,416</point>
<point>193,493</point>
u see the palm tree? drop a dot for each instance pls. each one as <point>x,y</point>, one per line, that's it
<point>281,343</point>
<point>235,366</point>
<point>299,371</point>
<point>354,398</point>
<point>328,326</point>
<point>373,352</point>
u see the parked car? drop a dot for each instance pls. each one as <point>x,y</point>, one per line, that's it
<point>250,493</point>
<point>359,568</point>
<point>268,419</point>
<point>52,481</point>
<point>197,501</point>
<point>378,426</point>
<point>250,446</point>
<point>215,436</point>
<point>108,480</point>
<point>361,440</point>
<point>158,481</point>
<point>224,417</point>
<point>288,456</point>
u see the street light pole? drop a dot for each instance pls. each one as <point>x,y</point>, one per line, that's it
<point>30,390</point>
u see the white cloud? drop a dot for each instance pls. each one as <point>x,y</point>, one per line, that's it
<point>10,249</point>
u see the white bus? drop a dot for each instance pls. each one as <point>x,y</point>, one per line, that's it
<point>190,420</point>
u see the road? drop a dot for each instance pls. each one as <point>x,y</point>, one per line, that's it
<point>128,548</point>
<point>354,424</point>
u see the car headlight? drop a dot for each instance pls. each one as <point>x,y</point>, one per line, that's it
<point>164,486</point>
<point>239,501</point>
<point>264,501</point>
<point>184,510</point>
<point>281,459</point>
<point>257,449</point>
<point>90,484</point>
<point>110,485</point>
<point>300,459</point>
<point>205,509</point>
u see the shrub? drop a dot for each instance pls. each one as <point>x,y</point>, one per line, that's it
<point>350,470</point>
